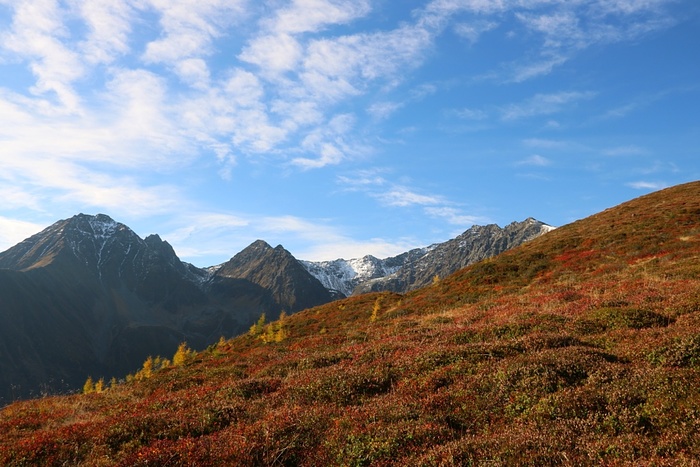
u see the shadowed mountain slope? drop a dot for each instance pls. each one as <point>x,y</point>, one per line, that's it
<point>87,296</point>
<point>580,347</point>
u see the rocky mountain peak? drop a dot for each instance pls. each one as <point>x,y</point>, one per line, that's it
<point>276,270</point>
<point>160,246</point>
<point>82,237</point>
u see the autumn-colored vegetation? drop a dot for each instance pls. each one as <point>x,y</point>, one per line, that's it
<point>581,347</point>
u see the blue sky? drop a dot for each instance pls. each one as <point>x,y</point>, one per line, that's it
<point>340,128</point>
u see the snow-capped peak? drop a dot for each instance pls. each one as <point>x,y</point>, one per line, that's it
<point>103,226</point>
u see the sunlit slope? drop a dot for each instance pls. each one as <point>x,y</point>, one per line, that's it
<point>581,347</point>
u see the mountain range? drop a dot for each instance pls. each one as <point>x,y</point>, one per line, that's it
<point>579,347</point>
<point>87,296</point>
<point>419,267</point>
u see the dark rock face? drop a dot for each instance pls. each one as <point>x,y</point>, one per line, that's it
<point>87,296</point>
<point>276,270</point>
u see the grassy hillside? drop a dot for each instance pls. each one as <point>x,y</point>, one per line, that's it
<point>581,347</point>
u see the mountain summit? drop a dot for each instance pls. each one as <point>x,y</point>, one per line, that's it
<point>85,238</point>
<point>276,270</point>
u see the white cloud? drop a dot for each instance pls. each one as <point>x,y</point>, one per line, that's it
<point>454,216</point>
<point>194,71</point>
<point>329,142</point>
<point>557,27</point>
<point>383,110</point>
<point>473,31</point>
<point>13,231</point>
<point>400,196</point>
<point>568,27</point>
<point>297,114</point>
<point>373,183</point>
<point>274,54</point>
<point>43,182</point>
<point>535,160</point>
<point>188,31</point>
<point>362,180</point>
<point>439,9</point>
<point>109,24</point>
<point>313,15</point>
<point>189,27</point>
<point>326,242</point>
<point>139,99</point>
<point>538,67</point>
<point>202,234</point>
<point>295,99</point>
<point>338,68</point>
<point>36,36</point>
<point>644,185</point>
<point>422,91</point>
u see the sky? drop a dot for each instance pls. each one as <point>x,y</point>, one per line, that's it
<point>340,128</point>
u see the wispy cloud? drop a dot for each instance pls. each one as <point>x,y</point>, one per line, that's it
<point>544,104</point>
<point>541,66</point>
<point>472,31</point>
<point>630,150</point>
<point>566,28</point>
<point>403,196</point>
<point>329,142</point>
<point>109,24</point>
<point>36,35</point>
<point>362,180</point>
<point>471,114</point>
<point>188,31</point>
<point>314,15</point>
<point>383,110</point>
<point>645,185</point>
<point>535,160</point>
<point>389,194</point>
<point>454,216</point>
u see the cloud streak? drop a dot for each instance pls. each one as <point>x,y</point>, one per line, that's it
<point>544,104</point>
<point>393,195</point>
